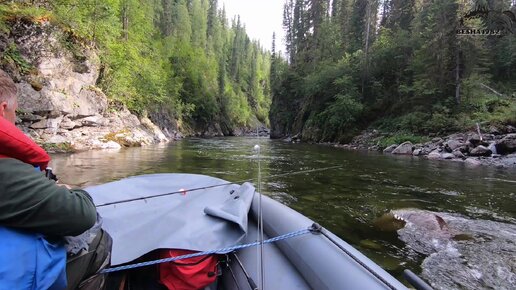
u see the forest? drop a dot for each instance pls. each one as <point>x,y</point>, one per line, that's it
<point>405,67</point>
<point>181,59</point>
<point>412,68</point>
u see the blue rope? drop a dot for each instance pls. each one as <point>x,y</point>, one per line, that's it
<point>211,252</point>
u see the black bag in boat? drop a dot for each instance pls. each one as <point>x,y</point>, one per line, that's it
<point>88,254</point>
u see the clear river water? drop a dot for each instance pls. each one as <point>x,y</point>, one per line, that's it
<point>479,203</point>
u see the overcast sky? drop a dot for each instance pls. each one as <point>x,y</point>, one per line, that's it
<point>261,18</point>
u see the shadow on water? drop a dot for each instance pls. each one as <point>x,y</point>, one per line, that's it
<point>346,200</point>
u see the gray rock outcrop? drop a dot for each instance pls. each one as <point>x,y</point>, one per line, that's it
<point>59,101</point>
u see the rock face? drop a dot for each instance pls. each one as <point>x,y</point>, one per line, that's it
<point>58,98</point>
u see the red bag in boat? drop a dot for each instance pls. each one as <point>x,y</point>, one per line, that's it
<point>188,274</point>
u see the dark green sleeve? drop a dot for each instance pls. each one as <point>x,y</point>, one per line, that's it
<point>28,200</point>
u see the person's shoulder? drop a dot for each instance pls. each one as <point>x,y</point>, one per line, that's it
<point>14,161</point>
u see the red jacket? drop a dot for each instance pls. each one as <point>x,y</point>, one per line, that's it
<point>15,144</point>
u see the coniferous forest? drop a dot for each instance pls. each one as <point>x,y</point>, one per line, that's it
<point>397,66</point>
<point>344,65</point>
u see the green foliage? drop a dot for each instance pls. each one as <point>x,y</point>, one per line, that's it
<point>12,55</point>
<point>10,12</point>
<point>440,120</point>
<point>58,147</point>
<point>411,73</point>
<point>168,55</point>
<point>339,117</point>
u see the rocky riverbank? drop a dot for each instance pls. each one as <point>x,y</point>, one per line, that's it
<point>495,146</point>
<point>60,106</point>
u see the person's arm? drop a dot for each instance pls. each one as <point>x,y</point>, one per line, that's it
<point>30,201</point>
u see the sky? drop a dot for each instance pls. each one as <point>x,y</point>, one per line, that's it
<point>261,19</point>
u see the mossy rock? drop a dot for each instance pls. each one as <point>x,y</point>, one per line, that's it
<point>58,147</point>
<point>36,85</point>
<point>121,137</point>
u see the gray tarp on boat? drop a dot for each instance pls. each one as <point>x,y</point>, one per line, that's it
<point>200,220</point>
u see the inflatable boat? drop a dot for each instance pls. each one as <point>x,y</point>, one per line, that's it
<point>258,242</point>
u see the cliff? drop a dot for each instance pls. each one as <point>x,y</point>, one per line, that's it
<point>60,105</point>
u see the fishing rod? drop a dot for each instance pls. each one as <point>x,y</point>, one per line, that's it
<point>184,191</point>
<point>261,272</point>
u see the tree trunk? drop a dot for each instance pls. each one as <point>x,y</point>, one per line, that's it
<point>366,50</point>
<point>457,75</point>
<point>94,36</point>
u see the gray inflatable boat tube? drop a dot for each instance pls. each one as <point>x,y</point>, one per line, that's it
<point>320,261</point>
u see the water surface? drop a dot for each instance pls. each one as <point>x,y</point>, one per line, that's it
<point>345,200</point>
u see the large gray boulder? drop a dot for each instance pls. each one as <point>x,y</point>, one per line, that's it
<point>510,129</point>
<point>480,151</point>
<point>68,124</point>
<point>390,148</point>
<point>404,149</point>
<point>453,144</point>
<point>434,155</point>
<point>458,154</point>
<point>39,125</point>
<point>472,162</point>
<point>93,121</point>
<point>448,156</point>
<point>507,145</point>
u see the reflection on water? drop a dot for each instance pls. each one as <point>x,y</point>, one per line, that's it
<point>95,167</point>
<point>346,200</point>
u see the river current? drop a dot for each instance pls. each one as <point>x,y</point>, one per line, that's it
<point>478,204</point>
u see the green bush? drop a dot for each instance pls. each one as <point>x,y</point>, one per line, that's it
<point>413,122</point>
<point>339,118</point>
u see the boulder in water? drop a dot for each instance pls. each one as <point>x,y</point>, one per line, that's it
<point>427,228</point>
<point>404,149</point>
<point>390,148</point>
<point>434,155</point>
<point>473,162</point>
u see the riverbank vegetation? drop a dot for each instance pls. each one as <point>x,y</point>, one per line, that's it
<point>180,58</point>
<point>397,66</point>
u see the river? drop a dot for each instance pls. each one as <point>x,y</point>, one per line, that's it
<point>346,200</point>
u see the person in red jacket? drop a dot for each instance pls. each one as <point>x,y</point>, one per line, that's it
<point>8,101</point>
<point>35,212</point>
